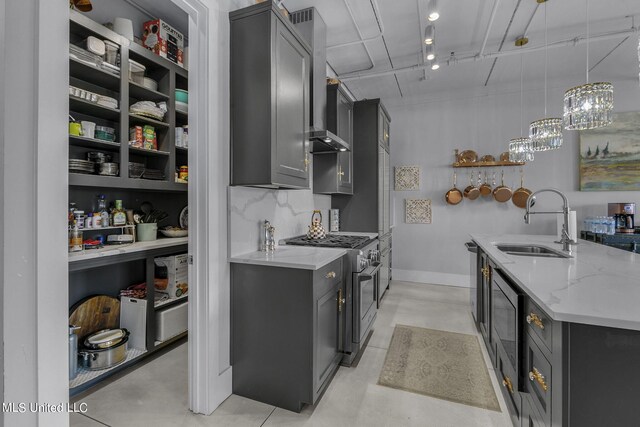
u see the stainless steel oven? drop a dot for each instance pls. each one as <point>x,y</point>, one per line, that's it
<point>364,285</point>
<point>361,278</point>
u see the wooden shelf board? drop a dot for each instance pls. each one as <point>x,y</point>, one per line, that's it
<point>486,164</point>
<point>94,75</point>
<point>85,107</point>
<point>145,94</point>
<point>145,152</point>
<point>81,141</point>
<point>135,118</point>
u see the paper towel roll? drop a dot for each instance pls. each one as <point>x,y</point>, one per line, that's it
<point>573,228</point>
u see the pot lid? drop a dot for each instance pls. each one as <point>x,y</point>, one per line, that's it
<point>105,338</point>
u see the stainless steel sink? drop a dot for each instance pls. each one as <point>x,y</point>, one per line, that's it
<point>531,250</point>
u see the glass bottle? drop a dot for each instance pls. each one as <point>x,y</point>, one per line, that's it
<point>118,215</point>
<point>102,210</point>
<point>75,239</point>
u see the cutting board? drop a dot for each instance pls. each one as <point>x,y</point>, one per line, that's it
<point>95,313</point>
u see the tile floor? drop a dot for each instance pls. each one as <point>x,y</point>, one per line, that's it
<point>156,394</point>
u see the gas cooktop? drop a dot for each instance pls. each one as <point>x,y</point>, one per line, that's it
<point>331,241</point>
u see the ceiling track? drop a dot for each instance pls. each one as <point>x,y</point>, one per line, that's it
<point>495,55</point>
<point>504,38</point>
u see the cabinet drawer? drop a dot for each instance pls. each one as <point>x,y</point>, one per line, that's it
<point>509,384</point>
<point>530,415</point>
<point>537,378</point>
<point>539,322</point>
<point>326,277</point>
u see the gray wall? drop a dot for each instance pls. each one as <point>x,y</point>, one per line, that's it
<point>425,133</point>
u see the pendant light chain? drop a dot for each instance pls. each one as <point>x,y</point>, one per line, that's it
<point>546,58</point>
<point>587,3</point>
<point>521,92</point>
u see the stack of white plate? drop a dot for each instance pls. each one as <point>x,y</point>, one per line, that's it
<point>81,166</point>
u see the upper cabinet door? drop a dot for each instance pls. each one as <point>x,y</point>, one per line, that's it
<point>345,118</point>
<point>345,131</point>
<point>291,107</point>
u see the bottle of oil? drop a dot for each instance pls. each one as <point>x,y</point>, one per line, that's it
<point>118,215</point>
<point>75,239</point>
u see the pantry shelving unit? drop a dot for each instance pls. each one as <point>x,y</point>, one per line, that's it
<point>169,76</point>
<point>108,270</point>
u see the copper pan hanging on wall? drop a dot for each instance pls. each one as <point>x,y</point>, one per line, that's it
<point>502,193</point>
<point>453,196</point>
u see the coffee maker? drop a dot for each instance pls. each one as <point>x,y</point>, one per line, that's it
<point>624,214</point>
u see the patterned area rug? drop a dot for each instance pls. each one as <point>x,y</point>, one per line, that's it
<point>446,365</point>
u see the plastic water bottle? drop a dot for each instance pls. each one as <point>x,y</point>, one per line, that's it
<point>612,225</point>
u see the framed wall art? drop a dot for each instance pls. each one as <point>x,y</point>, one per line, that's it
<point>610,156</point>
<point>418,211</point>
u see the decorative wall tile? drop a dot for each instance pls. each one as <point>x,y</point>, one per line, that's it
<point>418,211</point>
<point>407,178</point>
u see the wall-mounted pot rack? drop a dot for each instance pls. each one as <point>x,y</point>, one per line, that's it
<point>466,160</point>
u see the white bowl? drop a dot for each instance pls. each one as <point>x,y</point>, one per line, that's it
<point>175,233</point>
<point>182,107</point>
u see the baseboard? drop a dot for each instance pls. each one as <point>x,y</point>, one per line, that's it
<point>432,277</point>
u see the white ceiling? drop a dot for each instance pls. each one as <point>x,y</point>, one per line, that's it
<point>461,29</point>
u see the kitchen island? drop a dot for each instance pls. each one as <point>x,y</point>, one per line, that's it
<point>563,333</point>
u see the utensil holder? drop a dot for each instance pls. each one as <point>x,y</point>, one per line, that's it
<point>147,232</point>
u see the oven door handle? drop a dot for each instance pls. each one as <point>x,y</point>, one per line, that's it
<point>368,275</point>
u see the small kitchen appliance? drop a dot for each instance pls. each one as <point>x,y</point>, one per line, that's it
<point>624,214</point>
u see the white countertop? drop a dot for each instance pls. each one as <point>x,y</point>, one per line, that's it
<point>303,257</point>
<point>110,250</point>
<point>599,285</point>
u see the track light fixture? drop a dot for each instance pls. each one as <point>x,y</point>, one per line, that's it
<point>429,34</point>
<point>433,13</point>
<point>431,52</point>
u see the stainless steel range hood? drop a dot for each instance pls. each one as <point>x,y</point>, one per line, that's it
<point>313,29</point>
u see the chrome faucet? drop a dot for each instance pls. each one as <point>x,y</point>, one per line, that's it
<point>566,239</point>
<point>269,237</point>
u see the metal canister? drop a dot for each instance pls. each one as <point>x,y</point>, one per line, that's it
<point>73,352</point>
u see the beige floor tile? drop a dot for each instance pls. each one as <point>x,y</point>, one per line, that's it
<point>156,394</point>
<point>236,411</point>
<point>79,420</point>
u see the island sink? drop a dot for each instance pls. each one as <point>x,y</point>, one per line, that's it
<point>531,250</point>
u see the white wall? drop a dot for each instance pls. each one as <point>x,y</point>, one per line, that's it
<point>33,217</point>
<point>426,133</point>
<point>289,211</point>
<point>2,53</point>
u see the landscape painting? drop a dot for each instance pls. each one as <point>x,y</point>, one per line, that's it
<point>610,156</point>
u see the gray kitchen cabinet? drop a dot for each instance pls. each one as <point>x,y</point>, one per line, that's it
<point>484,303</point>
<point>270,71</point>
<point>333,171</point>
<point>286,332</point>
<point>368,209</point>
<point>566,374</point>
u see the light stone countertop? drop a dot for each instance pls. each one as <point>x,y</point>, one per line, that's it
<point>303,257</point>
<point>599,285</point>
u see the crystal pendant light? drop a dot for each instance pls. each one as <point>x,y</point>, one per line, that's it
<point>545,134</point>
<point>520,149</point>
<point>589,106</point>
